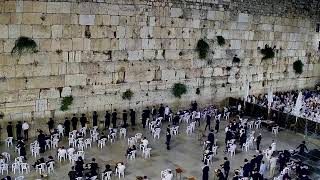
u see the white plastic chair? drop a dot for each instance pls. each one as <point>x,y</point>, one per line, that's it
<point>94,136</point>
<point>123,132</point>
<point>275,130</point>
<point>87,142</point>
<point>72,142</point>
<point>208,159</point>
<point>106,176</point>
<point>189,129</point>
<point>35,151</point>
<point>7,156</point>
<point>102,142</point>
<point>250,124</point>
<point>25,167</point>
<point>257,124</point>
<point>147,153</point>
<point>41,168</point>
<point>80,153</point>
<point>138,136</point>
<point>4,167</point>
<point>48,144</point>
<point>62,155</point>
<point>55,143</point>
<point>245,146</point>
<point>120,172</point>
<point>175,130</point>
<point>9,141</point>
<point>132,155</point>
<point>19,178</point>
<point>131,141</point>
<point>15,167</point>
<point>51,167</point>
<point>157,133</point>
<point>232,150</point>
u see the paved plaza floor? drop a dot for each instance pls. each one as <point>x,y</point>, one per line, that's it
<point>186,153</point>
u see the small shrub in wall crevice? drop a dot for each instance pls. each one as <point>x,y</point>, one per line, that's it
<point>236,59</point>
<point>24,45</point>
<point>202,48</point>
<point>298,66</point>
<point>179,89</point>
<point>221,40</point>
<point>198,91</point>
<point>128,94</point>
<point>66,102</point>
<point>268,52</point>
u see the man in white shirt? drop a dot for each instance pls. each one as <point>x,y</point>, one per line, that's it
<point>273,163</point>
<point>197,117</point>
<point>25,128</point>
<point>166,112</point>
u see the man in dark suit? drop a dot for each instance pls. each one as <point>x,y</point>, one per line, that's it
<point>83,120</point>
<point>211,136</point>
<point>205,171</point>
<point>258,141</point>
<point>19,130</point>
<point>74,121</point>
<point>10,129</point>
<point>259,159</point>
<point>168,137</point>
<point>114,118</point>
<point>107,120</point>
<point>66,125</point>
<point>226,167</point>
<point>132,117</point>
<point>50,125</point>
<point>246,168</point>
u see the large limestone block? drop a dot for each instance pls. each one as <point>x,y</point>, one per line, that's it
<point>40,31</point>
<point>8,96</point>
<point>4,31</point>
<point>7,71</point>
<point>66,91</point>
<point>53,7</point>
<point>176,12</point>
<point>24,70</point>
<point>41,105</point>
<point>207,72</point>
<point>135,55</point>
<point>31,18</point>
<point>86,19</point>
<point>168,75</point>
<point>28,95</point>
<point>40,7</point>
<point>75,80</point>
<point>138,76</point>
<point>243,17</point>
<point>51,93</point>
<point>45,82</point>
<point>89,68</point>
<point>14,31</point>
<point>20,104</point>
<point>41,70</point>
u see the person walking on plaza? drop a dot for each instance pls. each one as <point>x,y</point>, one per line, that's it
<point>107,118</point>
<point>19,130</point>
<point>25,128</point>
<point>208,122</point>
<point>168,137</point>
<point>302,147</point>
<point>197,117</point>
<point>66,125</point>
<point>205,171</point>
<point>83,120</point>
<point>217,125</point>
<point>10,129</point>
<point>133,117</point>
<point>95,119</point>
<point>114,118</point>
<point>226,167</point>
<point>74,121</point>
<point>42,141</point>
<point>258,141</point>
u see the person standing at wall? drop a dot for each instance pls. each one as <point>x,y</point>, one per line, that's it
<point>107,120</point>
<point>226,167</point>
<point>66,125</point>
<point>168,137</point>
<point>258,141</point>
<point>25,128</point>
<point>144,118</point>
<point>83,120</point>
<point>50,125</point>
<point>124,118</point>
<point>74,121</point>
<point>114,118</point>
<point>133,117</point>
<point>208,122</point>
<point>10,129</point>
<point>19,130</point>
<point>95,119</point>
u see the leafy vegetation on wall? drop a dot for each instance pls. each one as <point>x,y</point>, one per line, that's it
<point>268,52</point>
<point>202,49</point>
<point>66,102</point>
<point>298,66</point>
<point>179,89</point>
<point>24,45</point>
<point>128,94</point>
<point>221,40</point>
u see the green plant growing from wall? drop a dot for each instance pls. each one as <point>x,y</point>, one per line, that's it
<point>268,52</point>
<point>66,102</point>
<point>128,94</point>
<point>179,89</point>
<point>202,48</point>
<point>298,66</point>
<point>24,45</point>
<point>221,40</point>
<point>198,91</point>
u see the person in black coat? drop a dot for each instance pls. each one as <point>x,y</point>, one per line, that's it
<point>243,139</point>
<point>148,112</point>
<point>74,121</point>
<point>132,117</point>
<point>42,141</point>
<point>50,125</point>
<point>95,118</point>
<point>302,147</point>
<point>161,110</point>
<point>259,159</point>
<point>23,152</point>
<point>114,118</point>
<point>229,136</point>
<point>107,120</point>
<point>211,136</point>
<point>83,120</point>
<point>258,141</point>
<point>217,127</point>
<point>205,171</point>
<point>246,168</point>
<point>19,130</point>
<point>66,125</point>
<point>208,122</point>
<point>10,129</point>
<point>168,137</point>
<point>124,118</point>
<point>226,167</point>
<point>144,119</point>
<point>219,175</point>
<point>176,119</point>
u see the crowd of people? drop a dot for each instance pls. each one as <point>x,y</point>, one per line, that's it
<point>236,131</point>
<point>286,101</point>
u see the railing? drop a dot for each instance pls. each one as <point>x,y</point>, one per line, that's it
<point>284,120</point>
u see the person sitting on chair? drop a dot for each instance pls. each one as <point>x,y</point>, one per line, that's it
<point>130,150</point>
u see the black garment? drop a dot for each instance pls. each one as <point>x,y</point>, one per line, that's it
<point>301,148</point>
<point>208,122</point>
<point>26,134</point>
<point>257,176</point>
<point>161,111</point>
<point>133,117</point>
<point>79,167</point>
<point>259,160</point>
<point>42,142</point>
<point>147,111</point>
<point>246,169</point>
<point>50,124</point>
<point>154,111</point>
<point>205,173</point>
<point>228,136</point>
<point>226,168</point>
<point>66,125</point>
<point>74,122</point>
<point>144,119</point>
<point>72,175</point>
<point>23,151</point>
<point>194,106</point>
<point>220,176</point>
<point>243,139</point>
<point>114,119</point>
<point>95,119</point>
<point>286,177</point>
<point>175,120</point>
<point>19,130</point>
<point>10,130</point>
<point>211,137</point>
<point>124,118</point>
<point>83,121</point>
<point>217,127</point>
<point>107,120</point>
<point>236,177</point>
<point>168,138</point>
<point>258,141</point>
<point>94,167</point>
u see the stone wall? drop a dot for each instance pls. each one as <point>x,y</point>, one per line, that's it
<point>95,51</point>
